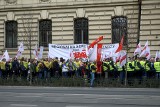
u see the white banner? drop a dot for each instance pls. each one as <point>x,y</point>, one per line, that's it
<point>68,51</point>
<point>109,50</point>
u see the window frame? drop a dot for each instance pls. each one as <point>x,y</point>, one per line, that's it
<point>11,33</point>
<point>84,28</point>
<point>42,31</point>
<point>122,29</point>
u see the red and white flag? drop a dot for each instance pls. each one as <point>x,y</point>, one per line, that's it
<point>118,56</point>
<point>123,58</point>
<point>147,54</point>
<point>144,49</point>
<point>95,42</point>
<point>120,45</point>
<point>137,50</point>
<point>157,55</point>
<point>5,56</point>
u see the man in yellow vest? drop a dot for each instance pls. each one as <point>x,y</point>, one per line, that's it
<point>106,67</point>
<point>46,68</point>
<point>149,68</point>
<point>139,69</point>
<point>93,71</point>
<point>157,68</point>
<point>121,72</point>
<point>113,73</point>
<point>130,68</point>
<point>77,66</point>
<point>3,69</point>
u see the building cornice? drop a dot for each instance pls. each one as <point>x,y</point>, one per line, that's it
<point>63,5</point>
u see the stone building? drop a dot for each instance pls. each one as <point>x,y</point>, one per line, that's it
<point>78,21</point>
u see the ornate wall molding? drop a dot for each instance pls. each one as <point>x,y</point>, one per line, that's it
<point>80,12</point>
<point>119,11</point>
<point>11,1</point>
<point>45,1</point>
<point>44,14</point>
<point>10,16</point>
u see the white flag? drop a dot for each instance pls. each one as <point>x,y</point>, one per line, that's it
<point>21,47</point>
<point>20,50</point>
<point>138,50</point>
<point>35,51</point>
<point>157,55</point>
<point>144,49</point>
<point>5,56</point>
<point>93,53</point>
<point>40,55</point>
<point>19,53</point>
<point>123,58</point>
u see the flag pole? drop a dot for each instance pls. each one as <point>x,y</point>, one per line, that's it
<point>126,64</point>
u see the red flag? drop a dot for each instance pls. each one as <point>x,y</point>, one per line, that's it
<point>120,45</point>
<point>99,54</point>
<point>95,42</point>
<point>99,51</point>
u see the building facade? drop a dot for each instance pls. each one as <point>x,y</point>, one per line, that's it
<point>78,21</point>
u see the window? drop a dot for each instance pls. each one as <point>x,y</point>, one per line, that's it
<point>119,28</point>
<point>11,34</point>
<point>45,32</point>
<point>81,30</point>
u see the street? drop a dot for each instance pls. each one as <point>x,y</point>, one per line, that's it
<point>19,96</point>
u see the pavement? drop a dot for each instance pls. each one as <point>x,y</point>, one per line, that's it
<point>27,96</point>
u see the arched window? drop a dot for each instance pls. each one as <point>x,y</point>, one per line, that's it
<point>45,32</point>
<point>119,28</point>
<point>11,34</point>
<point>81,31</point>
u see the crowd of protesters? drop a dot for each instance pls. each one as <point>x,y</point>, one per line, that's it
<point>138,68</point>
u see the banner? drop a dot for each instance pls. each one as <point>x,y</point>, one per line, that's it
<point>68,51</point>
<point>109,50</point>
